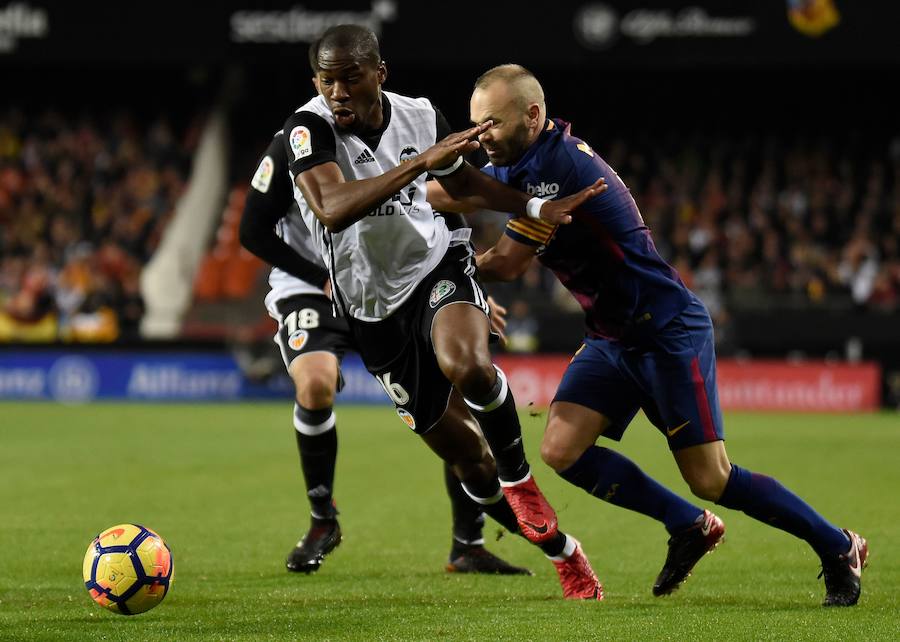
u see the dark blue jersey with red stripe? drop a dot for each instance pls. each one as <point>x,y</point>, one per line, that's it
<point>606,256</point>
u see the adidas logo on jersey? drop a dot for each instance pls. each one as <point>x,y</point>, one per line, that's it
<point>365,157</point>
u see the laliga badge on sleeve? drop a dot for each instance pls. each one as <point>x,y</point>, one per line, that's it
<point>263,176</point>
<point>301,142</point>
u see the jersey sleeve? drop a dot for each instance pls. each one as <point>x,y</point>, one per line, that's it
<point>441,126</point>
<point>268,200</point>
<point>271,182</point>
<point>308,141</point>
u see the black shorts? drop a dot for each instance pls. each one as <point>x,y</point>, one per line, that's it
<point>399,350</point>
<point>307,324</point>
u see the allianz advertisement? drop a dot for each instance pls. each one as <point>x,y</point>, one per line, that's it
<point>86,376</point>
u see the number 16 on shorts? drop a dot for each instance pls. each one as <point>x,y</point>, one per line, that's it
<point>399,396</point>
<point>394,390</point>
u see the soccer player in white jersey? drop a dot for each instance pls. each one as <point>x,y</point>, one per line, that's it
<point>406,284</point>
<point>312,343</point>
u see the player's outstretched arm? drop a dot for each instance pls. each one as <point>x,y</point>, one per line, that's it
<point>506,261</point>
<point>339,203</point>
<point>468,190</point>
<point>460,187</point>
<point>560,210</point>
<point>441,201</point>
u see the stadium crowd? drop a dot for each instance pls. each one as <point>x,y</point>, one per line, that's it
<point>83,202</point>
<point>748,220</point>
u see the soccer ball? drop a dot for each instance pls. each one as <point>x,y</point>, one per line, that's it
<point>128,569</point>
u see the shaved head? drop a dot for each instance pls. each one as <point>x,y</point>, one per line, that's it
<point>523,88</point>
<point>358,42</point>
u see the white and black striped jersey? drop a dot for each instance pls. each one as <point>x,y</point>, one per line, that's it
<point>376,263</point>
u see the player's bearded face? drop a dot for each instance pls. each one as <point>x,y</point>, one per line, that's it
<point>505,143</point>
<point>352,90</point>
<point>508,137</point>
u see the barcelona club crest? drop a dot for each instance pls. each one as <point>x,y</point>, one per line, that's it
<point>407,418</point>
<point>441,290</point>
<point>813,18</point>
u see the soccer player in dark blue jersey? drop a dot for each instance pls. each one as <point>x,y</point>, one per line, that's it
<point>648,345</point>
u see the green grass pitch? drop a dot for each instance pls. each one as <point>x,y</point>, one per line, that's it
<point>222,484</point>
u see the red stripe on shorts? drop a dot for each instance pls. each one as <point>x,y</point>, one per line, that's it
<point>709,429</point>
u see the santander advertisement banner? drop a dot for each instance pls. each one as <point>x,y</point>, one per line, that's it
<point>743,385</point>
<point>819,387</point>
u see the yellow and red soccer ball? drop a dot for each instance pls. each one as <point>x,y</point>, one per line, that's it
<point>128,569</point>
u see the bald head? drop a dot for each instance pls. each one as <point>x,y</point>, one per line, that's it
<point>512,98</point>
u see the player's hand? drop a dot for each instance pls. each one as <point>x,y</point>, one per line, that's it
<point>445,152</point>
<point>327,289</point>
<point>498,318</point>
<point>559,211</point>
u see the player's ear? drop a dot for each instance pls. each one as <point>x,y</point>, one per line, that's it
<point>381,72</point>
<point>315,82</point>
<point>534,115</point>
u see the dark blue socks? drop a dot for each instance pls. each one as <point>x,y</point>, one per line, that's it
<point>765,499</point>
<point>616,479</point>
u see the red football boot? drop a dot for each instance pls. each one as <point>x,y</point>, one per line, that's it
<point>578,580</point>
<point>537,519</point>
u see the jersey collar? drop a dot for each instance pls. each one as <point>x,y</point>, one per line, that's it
<point>551,129</point>
<point>373,138</point>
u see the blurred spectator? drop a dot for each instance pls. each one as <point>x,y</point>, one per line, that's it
<point>521,328</point>
<point>858,268</point>
<point>83,202</point>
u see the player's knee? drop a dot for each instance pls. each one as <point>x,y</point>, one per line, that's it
<point>315,390</point>
<point>556,451</point>
<point>557,455</point>
<point>707,484</point>
<point>473,376</point>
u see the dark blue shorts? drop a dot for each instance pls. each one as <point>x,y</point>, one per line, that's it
<point>671,376</point>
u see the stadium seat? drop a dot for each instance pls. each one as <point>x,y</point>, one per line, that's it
<point>228,271</point>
